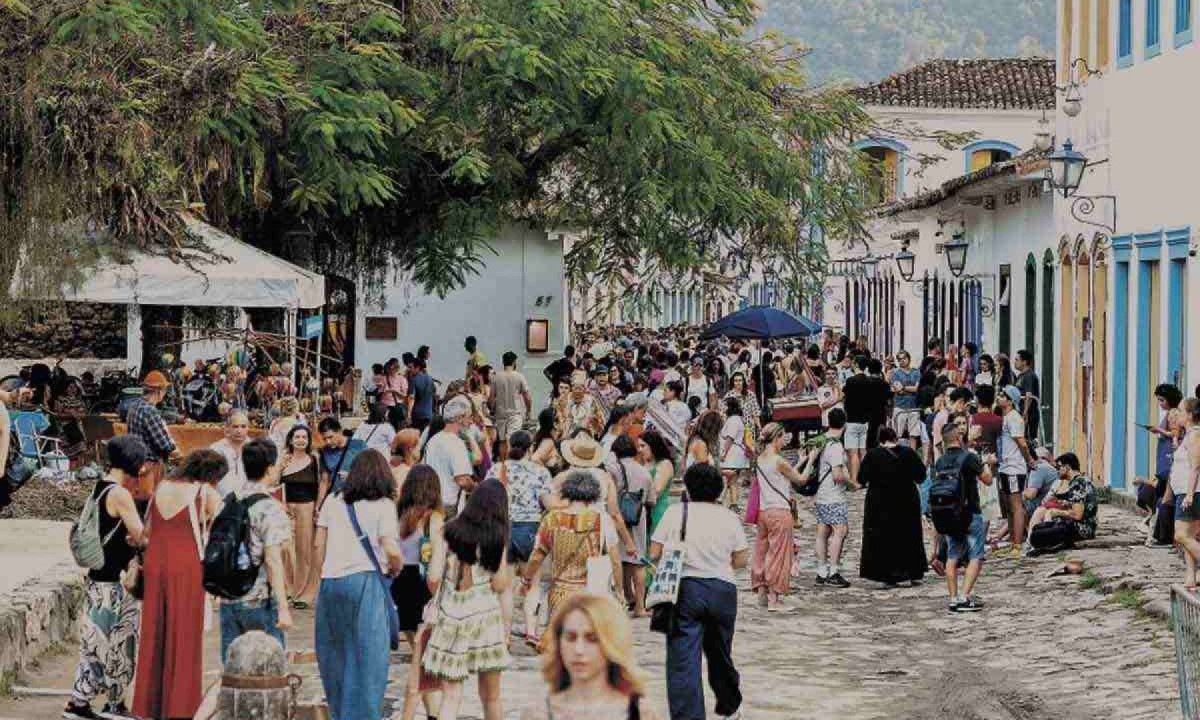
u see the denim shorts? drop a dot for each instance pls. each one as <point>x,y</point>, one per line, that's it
<point>971,546</point>
<point>520,541</point>
<point>1192,513</point>
<point>855,437</point>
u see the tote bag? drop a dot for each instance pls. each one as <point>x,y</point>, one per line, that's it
<point>599,569</point>
<point>664,590</point>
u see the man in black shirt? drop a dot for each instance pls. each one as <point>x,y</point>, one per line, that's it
<point>972,546</point>
<point>931,357</point>
<point>1031,393</point>
<point>560,370</point>
<point>857,399</point>
<point>878,399</point>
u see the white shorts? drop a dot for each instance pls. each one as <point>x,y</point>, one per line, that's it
<point>856,436</point>
<point>907,423</point>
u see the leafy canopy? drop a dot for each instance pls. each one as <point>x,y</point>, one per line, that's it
<point>349,135</point>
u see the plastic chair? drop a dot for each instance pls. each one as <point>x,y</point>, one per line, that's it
<point>29,428</point>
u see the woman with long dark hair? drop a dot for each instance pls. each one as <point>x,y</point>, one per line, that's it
<point>631,478</point>
<point>300,475</point>
<point>421,543</point>
<point>660,463</point>
<point>740,389</point>
<point>545,446</point>
<point>703,444</point>
<point>469,635</point>
<point>352,613</point>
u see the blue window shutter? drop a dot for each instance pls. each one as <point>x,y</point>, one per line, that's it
<point>1183,22</point>
<point>1153,26</point>
<point>1125,33</point>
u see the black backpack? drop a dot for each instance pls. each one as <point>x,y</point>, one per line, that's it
<point>229,569</point>
<point>948,507</point>
<point>811,482</point>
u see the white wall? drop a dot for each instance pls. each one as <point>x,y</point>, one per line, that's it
<point>493,306</point>
<point>1137,125</point>
<point>1016,127</point>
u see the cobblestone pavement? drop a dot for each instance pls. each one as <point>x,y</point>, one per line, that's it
<point>1045,647</point>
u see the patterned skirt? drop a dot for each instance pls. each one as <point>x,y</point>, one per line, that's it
<point>469,635</point>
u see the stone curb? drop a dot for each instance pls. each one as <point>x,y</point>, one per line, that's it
<point>38,615</point>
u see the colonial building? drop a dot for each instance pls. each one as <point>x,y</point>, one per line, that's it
<point>986,192</point>
<point>1124,258</point>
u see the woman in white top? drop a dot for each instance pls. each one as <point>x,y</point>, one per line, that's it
<point>352,606</point>
<point>377,433</point>
<point>697,385</point>
<point>737,447</point>
<point>1185,479</point>
<point>774,548</point>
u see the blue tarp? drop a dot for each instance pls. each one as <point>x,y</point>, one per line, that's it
<point>761,323</point>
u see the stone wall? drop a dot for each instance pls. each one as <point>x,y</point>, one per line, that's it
<point>39,615</point>
<point>74,330</point>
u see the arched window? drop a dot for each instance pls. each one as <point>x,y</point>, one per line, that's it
<point>982,153</point>
<point>887,162</point>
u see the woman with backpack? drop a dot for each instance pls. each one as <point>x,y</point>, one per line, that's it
<point>170,658</point>
<point>633,487</point>
<point>774,548</point>
<point>109,628</point>
<point>352,620</point>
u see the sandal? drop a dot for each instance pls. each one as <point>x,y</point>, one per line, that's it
<point>299,605</point>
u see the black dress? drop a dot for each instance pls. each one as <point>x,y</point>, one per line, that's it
<point>893,549</point>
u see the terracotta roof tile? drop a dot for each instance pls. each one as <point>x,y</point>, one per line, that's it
<point>987,83</point>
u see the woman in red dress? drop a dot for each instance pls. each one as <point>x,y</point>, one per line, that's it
<point>170,659</point>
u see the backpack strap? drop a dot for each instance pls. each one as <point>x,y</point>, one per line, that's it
<point>366,546</point>
<point>100,508</point>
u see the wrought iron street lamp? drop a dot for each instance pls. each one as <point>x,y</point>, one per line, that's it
<point>956,254</point>
<point>906,263</point>
<point>1043,139</point>
<point>1066,169</point>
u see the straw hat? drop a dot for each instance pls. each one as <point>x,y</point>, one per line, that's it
<point>583,452</point>
<point>155,380</point>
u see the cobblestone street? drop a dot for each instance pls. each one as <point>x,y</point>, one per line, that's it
<point>1043,648</point>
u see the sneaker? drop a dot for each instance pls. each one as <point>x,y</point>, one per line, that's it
<point>736,716</point>
<point>79,712</point>
<point>970,605</point>
<point>822,580</point>
<point>952,606</point>
<point>838,581</point>
<point>117,711</point>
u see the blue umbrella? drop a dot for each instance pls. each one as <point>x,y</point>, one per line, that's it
<point>761,323</point>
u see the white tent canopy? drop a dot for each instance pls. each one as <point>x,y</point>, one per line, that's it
<point>240,276</point>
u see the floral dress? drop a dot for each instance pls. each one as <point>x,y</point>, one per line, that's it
<point>569,540</point>
<point>1080,491</point>
<point>468,636</point>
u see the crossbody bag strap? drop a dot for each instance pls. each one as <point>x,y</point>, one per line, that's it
<point>195,516</point>
<point>683,527</point>
<point>365,542</point>
<point>763,475</point>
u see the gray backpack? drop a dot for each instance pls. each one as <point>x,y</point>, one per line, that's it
<point>86,544</point>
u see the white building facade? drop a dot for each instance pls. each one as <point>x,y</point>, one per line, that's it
<point>1127,268</point>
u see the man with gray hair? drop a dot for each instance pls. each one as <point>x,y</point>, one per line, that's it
<point>447,453</point>
<point>237,430</point>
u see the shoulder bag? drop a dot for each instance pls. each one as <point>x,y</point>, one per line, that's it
<point>791,502</point>
<point>629,503</point>
<point>392,613</point>
<point>664,590</point>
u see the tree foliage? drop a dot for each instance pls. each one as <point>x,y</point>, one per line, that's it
<point>865,40</point>
<point>358,135</point>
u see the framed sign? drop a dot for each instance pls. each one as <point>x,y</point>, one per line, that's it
<point>537,336</point>
<point>382,328</point>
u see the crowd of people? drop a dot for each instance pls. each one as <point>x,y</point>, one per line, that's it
<point>464,521</point>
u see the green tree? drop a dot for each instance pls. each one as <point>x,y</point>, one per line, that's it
<point>350,134</point>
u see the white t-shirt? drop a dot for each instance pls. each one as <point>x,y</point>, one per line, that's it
<point>381,437</point>
<point>447,454</point>
<point>680,413</point>
<point>670,375</point>
<point>831,492</point>
<point>698,387</point>
<point>1012,462</point>
<point>734,430</point>
<point>343,552</point>
<point>714,534</point>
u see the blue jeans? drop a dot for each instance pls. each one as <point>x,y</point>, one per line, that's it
<point>973,545</point>
<point>705,615</point>
<point>352,645</point>
<point>237,619</point>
